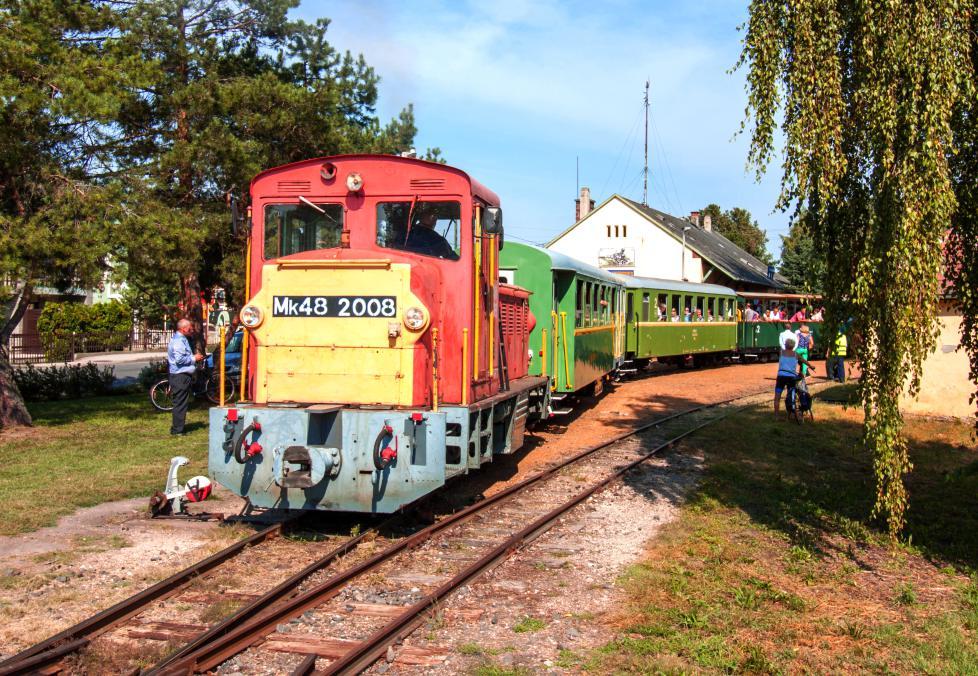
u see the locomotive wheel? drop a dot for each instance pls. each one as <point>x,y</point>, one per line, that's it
<point>160,395</point>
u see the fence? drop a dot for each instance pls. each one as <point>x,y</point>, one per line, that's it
<point>30,348</point>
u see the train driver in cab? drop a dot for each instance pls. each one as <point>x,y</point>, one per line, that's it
<point>424,239</point>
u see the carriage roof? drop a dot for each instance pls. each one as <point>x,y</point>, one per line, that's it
<point>673,285</point>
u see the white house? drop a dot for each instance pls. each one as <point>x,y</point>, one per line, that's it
<point>626,237</point>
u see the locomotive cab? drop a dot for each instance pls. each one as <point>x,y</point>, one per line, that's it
<point>378,363</point>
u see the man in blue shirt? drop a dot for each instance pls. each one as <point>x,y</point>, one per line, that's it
<point>183,363</point>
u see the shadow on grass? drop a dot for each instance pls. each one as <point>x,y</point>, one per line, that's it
<point>815,482</point>
<point>127,406</point>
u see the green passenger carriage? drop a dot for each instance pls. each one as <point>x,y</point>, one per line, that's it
<point>758,340</point>
<point>578,339</point>
<point>657,325</point>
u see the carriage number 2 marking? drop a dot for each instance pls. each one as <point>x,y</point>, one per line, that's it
<point>334,306</point>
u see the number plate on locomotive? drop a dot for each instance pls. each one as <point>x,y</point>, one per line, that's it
<point>334,306</point>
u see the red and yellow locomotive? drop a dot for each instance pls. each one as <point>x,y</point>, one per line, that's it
<point>382,354</point>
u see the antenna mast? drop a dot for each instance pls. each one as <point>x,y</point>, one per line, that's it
<point>645,180</point>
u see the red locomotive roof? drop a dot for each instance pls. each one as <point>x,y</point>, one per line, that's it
<point>478,190</point>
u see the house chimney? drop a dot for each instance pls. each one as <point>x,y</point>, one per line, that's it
<point>583,205</point>
<point>708,222</point>
<point>694,218</point>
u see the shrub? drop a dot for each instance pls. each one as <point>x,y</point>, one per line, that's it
<point>105,326</point>
<point>64,382</point>
<point>151,373</point>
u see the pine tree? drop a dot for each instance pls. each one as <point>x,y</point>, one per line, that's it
<point>60,76</point>
<point>236,87</point>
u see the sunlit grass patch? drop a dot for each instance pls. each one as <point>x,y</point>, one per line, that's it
<point>775,567</point>
<point>89,451</point>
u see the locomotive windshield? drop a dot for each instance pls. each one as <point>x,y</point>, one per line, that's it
<point>433,231</point>
<point>291,228</point>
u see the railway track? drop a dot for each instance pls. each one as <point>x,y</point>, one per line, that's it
<point>367,603</point>
<point>58,651</point>
<point>364,609</point>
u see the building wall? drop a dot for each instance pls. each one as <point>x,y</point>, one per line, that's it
<point>945,387</point>
<point>655,253</point>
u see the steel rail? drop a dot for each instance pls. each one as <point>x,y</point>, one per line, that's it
<point>282,590</point>
<point>251,630</point>
<point>370,650</point>
<point>76,637</point>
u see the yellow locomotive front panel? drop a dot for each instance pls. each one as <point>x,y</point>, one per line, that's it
<point>335,331</point>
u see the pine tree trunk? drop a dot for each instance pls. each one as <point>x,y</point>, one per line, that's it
<point>194,310</point>
<point>13,410</point>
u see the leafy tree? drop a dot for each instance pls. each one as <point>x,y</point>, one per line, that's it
<point>869,93</point>
<point>235,87</point>
<point>59,77</point>
<point>739,227</point>
<point>801,262</point>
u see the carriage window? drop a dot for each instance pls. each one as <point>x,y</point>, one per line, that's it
<point>433,231</point>
<point>645,307</point>
<point>662,307</point>
<point>603,305</point>
<point>699,314</point>
<point>675,309</point>
<point>291,228</point>
<point>722,314</point>
<point>628,307</point>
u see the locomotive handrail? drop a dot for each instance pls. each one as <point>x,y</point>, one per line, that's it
<point>374,263</point>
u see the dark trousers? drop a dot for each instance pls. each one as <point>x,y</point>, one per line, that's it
<point>837,369</point>
<point>180,384</point>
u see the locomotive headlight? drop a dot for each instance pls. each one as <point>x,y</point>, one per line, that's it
<point>251,316</point>
<point>354,182</point>
<point>414,318</point>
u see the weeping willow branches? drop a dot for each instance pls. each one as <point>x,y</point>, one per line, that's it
<point>868,94</point>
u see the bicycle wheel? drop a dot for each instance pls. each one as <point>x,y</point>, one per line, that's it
<point>213,391</point>
<point>160,395</point>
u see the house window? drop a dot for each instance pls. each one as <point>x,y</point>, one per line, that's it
<point>616,231</point>
<point>624,231</point>
<point>609,231</point>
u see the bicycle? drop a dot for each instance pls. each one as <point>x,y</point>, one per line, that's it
<point>798,401</point>
<point>206,383</point>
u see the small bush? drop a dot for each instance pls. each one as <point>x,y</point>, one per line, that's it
<point>152,373</point>
<point>84,328</point>
<point>64,382</point>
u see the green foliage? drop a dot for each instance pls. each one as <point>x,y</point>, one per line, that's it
<point>739,227</point>
<point>869,94</point>
<point>151,374</point>
<point>64,327</point>
<point>801,263</point>
<point>231,88</point>
<point>64,382</point>
<point>67,318</point>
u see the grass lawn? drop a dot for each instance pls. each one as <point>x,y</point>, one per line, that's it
<point>88,451</point>
<point>774,566</point>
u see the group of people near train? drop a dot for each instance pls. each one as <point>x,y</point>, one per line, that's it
<point>689,315</point>
<point>797,346</point>
<point>755,313</point>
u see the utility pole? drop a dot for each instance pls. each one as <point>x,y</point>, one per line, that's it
<point>645,181</point>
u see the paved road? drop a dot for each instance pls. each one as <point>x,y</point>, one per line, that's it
<point>126,364</point>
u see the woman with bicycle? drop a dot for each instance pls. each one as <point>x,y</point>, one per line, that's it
<point>788,372</point>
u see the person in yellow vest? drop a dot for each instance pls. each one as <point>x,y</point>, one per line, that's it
<point>837,358</point>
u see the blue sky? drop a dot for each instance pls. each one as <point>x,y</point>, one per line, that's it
<point>513,92</point>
